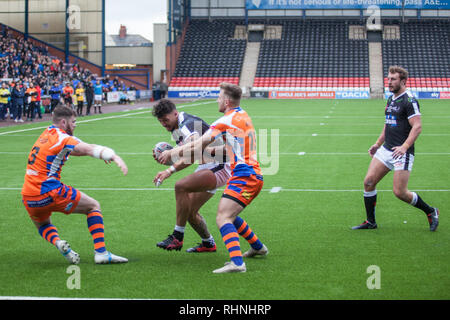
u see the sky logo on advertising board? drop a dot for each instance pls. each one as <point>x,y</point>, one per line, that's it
<point>352,95</point>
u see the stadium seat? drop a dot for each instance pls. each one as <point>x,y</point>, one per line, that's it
<point>423,50</point>
<point>312,55</point>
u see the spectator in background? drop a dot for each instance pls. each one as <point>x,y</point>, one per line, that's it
<point>55,94</point>
<point>67,95</point>
<point>31,92</point>
<point>98,96</point>
<point>89,97</point>
<point>37,105</point>
<point>163,88</point>
<point>18,96</point>
<point>4,96</point>
<point>79,92</point>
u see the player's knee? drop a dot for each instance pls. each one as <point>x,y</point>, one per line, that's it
<point>181,186</point>
<point>219,220</point>
<point>401,193</point>
<point>94,205</point>
<point>369,184</point>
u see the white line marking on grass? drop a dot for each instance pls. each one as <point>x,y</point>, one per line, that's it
<point>266,190</point>
<point>281,135</point>
<point>275,190</point>
<point>105,118</point>
<point>281,153</point>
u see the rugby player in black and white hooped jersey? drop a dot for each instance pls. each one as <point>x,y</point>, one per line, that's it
<point>394,151</point>
<point>194,190</point>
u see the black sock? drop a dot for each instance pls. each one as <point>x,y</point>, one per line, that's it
<point>420,204</point>
<point>178,235</point>
<point>370,200</point>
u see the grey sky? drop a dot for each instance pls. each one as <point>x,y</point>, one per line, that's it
<point>137,15</point>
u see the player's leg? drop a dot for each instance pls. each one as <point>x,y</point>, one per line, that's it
<point>226,214</point>
<point>256,246</point>
<point>238,194</point>
<point>400,188</point>
<point>50,233</point>
<point>40,209</point>
<point>199,181</point>
<point>377,170</point>
<point>91,208</point>
<point>198,223</point>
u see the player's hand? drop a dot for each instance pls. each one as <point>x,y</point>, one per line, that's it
<point>373,149</point>
<point>160,177</point>
<point>398,152</point>
<point>154,155</point>
<point>165,157</point>
<point>121,164</point>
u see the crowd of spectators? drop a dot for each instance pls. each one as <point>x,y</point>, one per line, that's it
<point>29,75</point>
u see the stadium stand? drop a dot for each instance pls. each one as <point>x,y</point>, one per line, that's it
<point>423,48</point>
<point>22,62</point>
<point>313,55</point>
<point>209,56</point>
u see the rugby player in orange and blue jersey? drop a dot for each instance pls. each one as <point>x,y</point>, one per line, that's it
<point>237,131</point>
<point>43,192</point>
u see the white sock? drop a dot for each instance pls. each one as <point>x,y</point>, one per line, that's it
<point>210,239</point>
<point>414,199</point>
<point>179,229</point>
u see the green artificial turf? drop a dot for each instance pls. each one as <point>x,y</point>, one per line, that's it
<point>321,160</point>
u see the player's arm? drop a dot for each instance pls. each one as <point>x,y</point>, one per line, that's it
<point>416,128</point>
<point>189,149</point>
<point>177,166</point>
<point>99,152</point>
<point>373,149</point>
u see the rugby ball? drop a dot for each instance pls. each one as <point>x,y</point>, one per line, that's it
<point>160,147</point>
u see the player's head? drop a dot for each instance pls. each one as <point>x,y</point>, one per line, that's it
<point>397,78</point>
<point>229,96</point>
<point>65,119</point>
<point>167,114</point>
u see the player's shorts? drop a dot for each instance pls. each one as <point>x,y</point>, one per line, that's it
<point>403,163</point>
<point>243,190</point>
<point>64,199</point>
<point>68,100</point>
<point>221,171</point>
<point>98,97</point>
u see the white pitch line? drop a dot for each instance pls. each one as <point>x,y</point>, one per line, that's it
<point>265,190</point>
<point>272,154</point>
<point>275,190</point>
<point>104,118</point>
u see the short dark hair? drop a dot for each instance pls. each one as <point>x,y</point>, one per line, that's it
<point>63,112</point>
<point>401,71</point>
<point>162,108</point>
<point>232,91</point>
